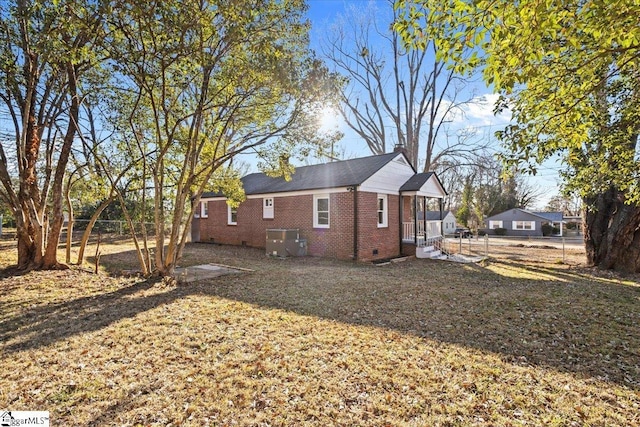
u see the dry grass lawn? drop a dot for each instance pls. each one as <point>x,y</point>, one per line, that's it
<point>518,340</point>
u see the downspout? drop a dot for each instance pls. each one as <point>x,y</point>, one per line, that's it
<point>401,221</point>
<point>354,189</point>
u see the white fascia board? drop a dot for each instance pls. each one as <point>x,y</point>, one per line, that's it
<point>212,199</point>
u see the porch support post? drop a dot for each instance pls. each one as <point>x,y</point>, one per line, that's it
<point>415,219</point>
<point>424,217</point>
<point>441,204</point>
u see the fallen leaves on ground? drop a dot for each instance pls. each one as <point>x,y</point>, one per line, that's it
<point>307,341</point>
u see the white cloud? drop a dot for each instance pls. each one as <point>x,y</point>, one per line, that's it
<point>479,112</point>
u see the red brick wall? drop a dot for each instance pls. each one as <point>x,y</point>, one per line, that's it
<point>297,212</point>
<point>384,240</point>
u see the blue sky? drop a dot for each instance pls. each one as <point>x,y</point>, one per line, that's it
<point>322,13</point>
<point>320,10</point>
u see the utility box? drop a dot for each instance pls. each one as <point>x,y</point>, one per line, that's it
<point>283,234</point>
<point>302,247</point>
<point>283,242</point>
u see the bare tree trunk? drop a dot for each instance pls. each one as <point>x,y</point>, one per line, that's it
<point>53,238</point>
<point>29,222</point>
<point>144,264</point>
<point>69,228</point>
<point>71,219</point>
<point>612,233</point>
<point>26,245</point>
<point>92,222</point>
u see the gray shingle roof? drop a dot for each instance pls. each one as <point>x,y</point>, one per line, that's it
<point>416,182</point>
<point>551,216</point>
<point>342,173</point>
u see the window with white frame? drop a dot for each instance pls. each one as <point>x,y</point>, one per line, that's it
<point>267,208</point>
<point>321,211</point>
<point>204,209</point>
<point>524,225</point>
<point>383,212</point>
<point>495,224</point>
<point>232,215</point>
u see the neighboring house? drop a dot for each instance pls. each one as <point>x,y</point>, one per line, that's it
<point>447,218</point>
<point>352,209</point>
<point>520,222</point>
<point>573,225</point>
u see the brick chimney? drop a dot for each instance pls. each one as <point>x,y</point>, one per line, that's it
<point>399,148</point>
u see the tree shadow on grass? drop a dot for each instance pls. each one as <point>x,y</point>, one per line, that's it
<point>555,317</point>
<point>561,320</point>
<point>46,324</point>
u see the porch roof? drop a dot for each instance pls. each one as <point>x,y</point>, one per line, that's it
<point>426,184</point>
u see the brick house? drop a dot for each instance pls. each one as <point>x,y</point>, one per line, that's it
<point>362,209</point>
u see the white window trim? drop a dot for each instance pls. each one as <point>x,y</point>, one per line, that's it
<point>204,209</point>
<point>230,210</point>
<point>385,211</point>
<point>524,223</point>
<point>315,210</point>
<point>268,208</point>
<point>495,224</point>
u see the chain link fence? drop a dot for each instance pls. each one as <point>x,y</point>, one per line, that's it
<point>555,249</point>
<point>105,226</point>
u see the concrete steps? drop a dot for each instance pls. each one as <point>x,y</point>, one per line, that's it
<point>429,252</point>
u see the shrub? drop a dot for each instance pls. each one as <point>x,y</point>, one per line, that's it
<point>481,232</point>
<point>547,229</point>
<point>500,231</point>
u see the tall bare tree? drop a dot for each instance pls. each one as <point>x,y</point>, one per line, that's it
<point>393,95</point>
